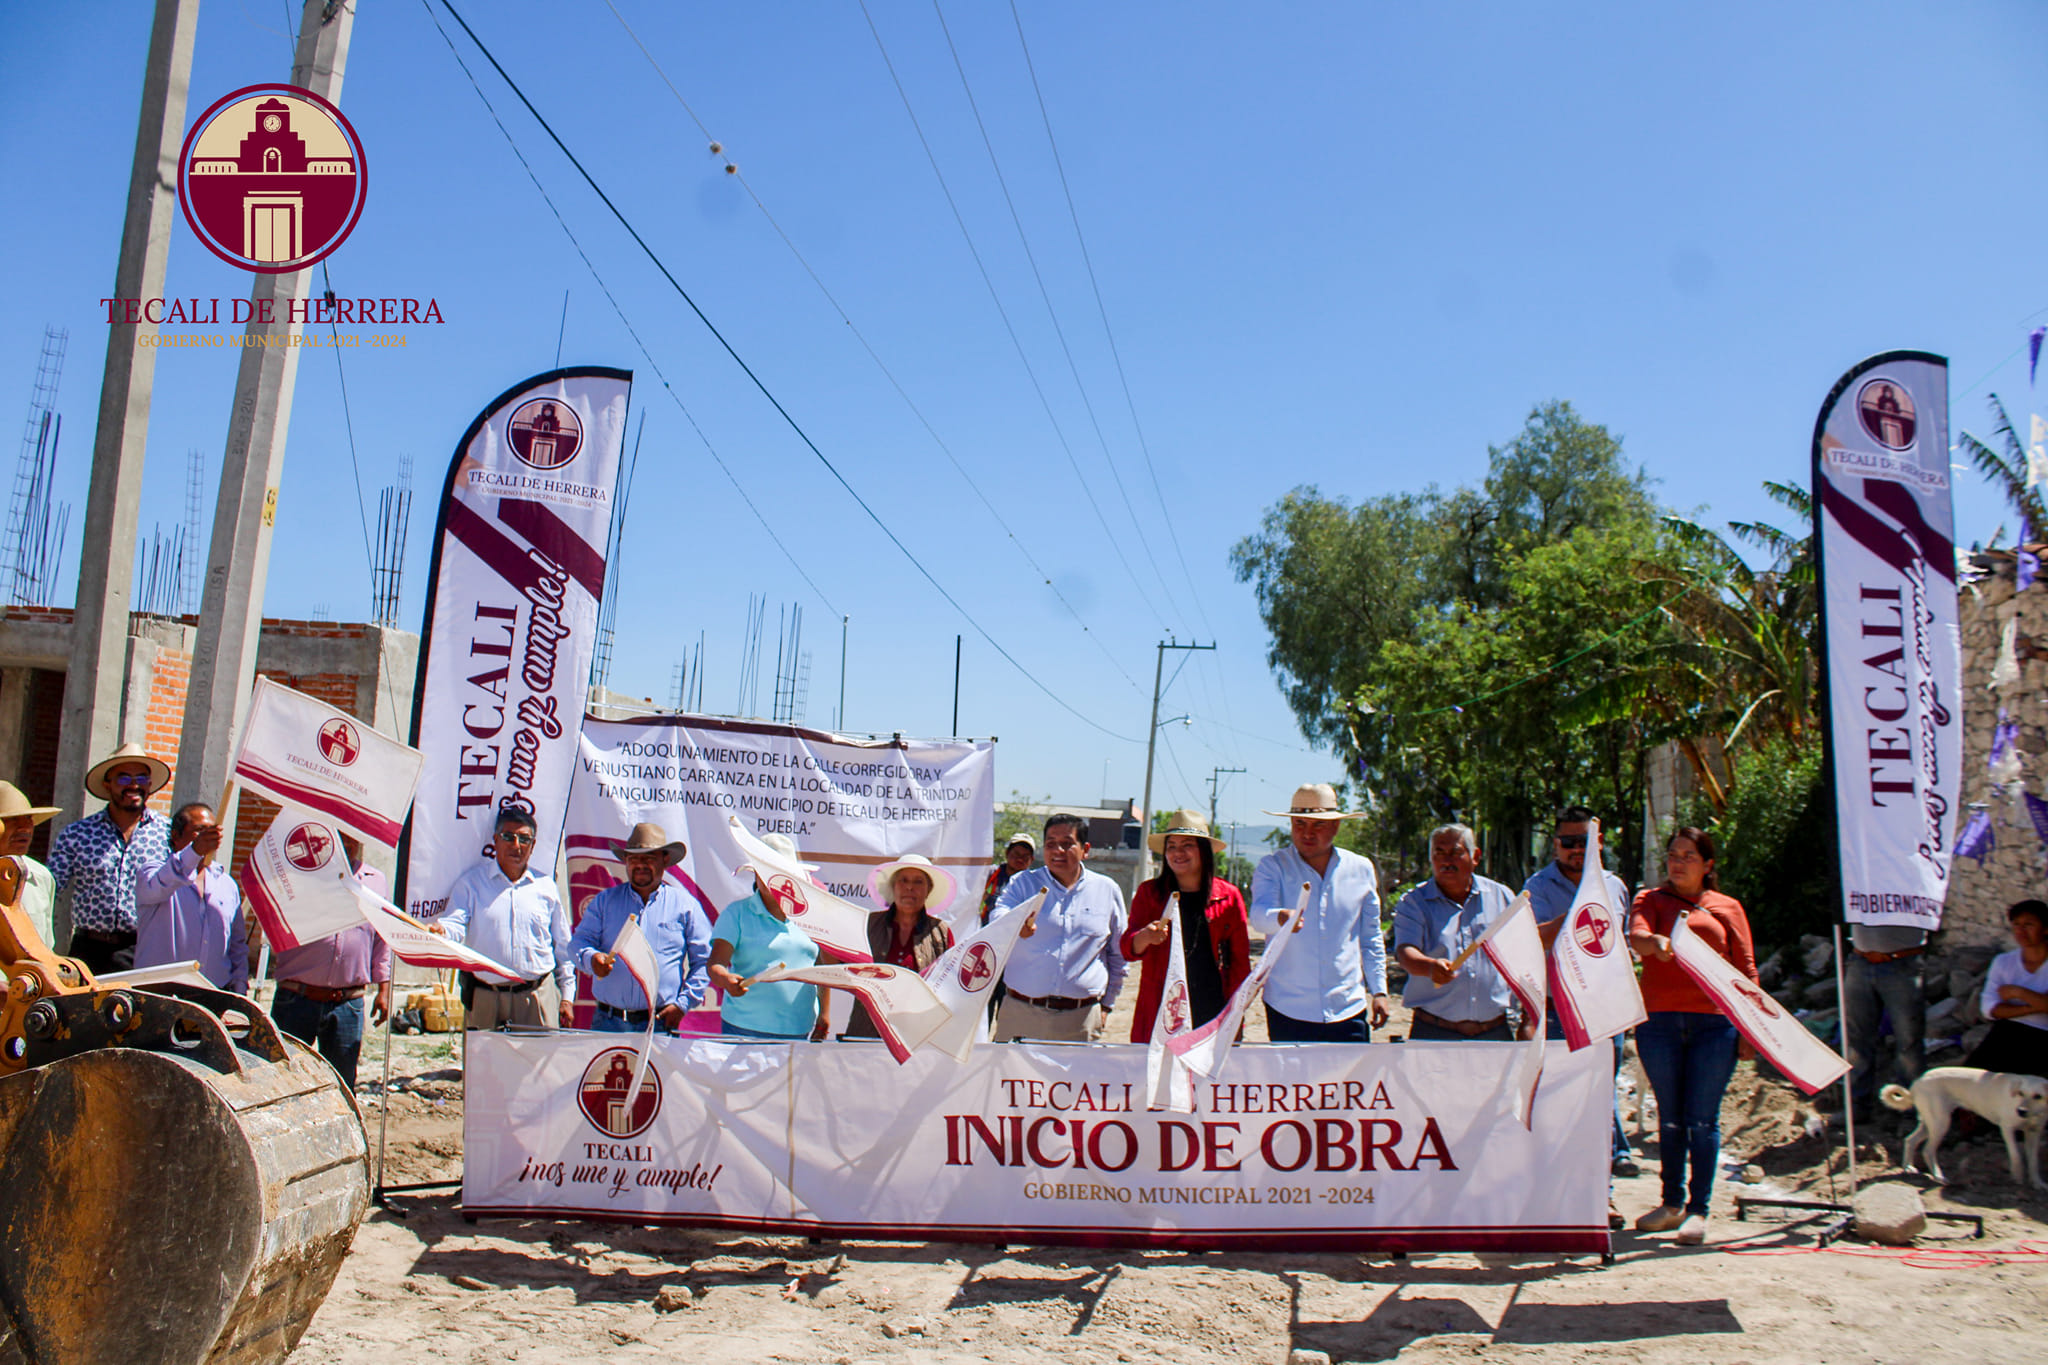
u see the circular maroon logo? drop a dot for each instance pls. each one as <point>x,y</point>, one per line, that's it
<point>790,892</point>
<point>875,971</point>
<point>545,433</point>
<point>1886,410</point>
<point>1175,1007</point>
<point>1594,930</point>
<point>339,742</point>
<point>1764,1004</point>
<point>602,1094</point>
<point>309,847</point>
<point>272,178</point>
<point>978,968</point>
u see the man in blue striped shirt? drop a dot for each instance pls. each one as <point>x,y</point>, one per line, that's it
<point>1436,922</point>
<point>674,924</point>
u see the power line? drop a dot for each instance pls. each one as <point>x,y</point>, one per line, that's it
<point>765,392</point>
<point>1080,476</point>
<point>624,321</point>
<point>1017,541</point>
<point>1024,240</point>
<point>1101,308</point>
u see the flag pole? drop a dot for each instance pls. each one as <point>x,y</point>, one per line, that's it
<point>1848,1077</point>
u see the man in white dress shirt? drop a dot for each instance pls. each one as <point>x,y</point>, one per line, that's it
<point>514,915</point>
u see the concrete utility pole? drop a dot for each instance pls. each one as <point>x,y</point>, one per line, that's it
<point>1214,774</point>
<point>113,504</point>
<point>1151,748</point>
<point>238,563</point>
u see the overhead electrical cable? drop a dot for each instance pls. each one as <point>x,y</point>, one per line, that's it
<point>1022,548</point>
<point>624,321</point>
<point>763,388</point>
<point>1045,294</point>
<point>1080,476</point>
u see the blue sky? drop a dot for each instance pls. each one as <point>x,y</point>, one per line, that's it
<point>1347,246</point>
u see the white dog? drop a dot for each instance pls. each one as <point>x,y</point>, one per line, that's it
<point>2017,1104</point>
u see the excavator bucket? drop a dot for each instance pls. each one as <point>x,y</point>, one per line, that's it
<point>179,1181</point>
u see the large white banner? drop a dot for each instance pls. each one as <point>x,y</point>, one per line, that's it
<point>1409,1146</point>
<point>519,559</point>
<point>850,804</point>
<point>1892,649</point>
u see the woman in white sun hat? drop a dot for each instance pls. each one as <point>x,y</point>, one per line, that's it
<point>906,933</point>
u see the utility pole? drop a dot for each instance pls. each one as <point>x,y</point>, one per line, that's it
<point>1215,773</point>
<point>238,562</point>
<point>845,625</point>
<point>956,685</point>
<point>98,665</point>
<point>1152,745</point>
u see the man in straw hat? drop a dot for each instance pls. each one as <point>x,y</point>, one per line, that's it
<point>676,928</point>
<point>18,821</point>
<point>1331,987</point>
<point>100,856</point>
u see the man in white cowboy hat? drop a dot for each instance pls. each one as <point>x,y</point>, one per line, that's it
<point>676,928</point>
<point>1331,987</point>
<point>188,908</point>
<point>18,821</point>
<point>1063,981</point>
<point>99,857</point>
<point>513,915</point>
<point>1433,924</point>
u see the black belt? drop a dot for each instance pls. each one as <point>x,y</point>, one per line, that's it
<point>628,1016</point>
<point>1057,1002</point>
<point>521,989</point>
<point>1471,1028</point>
<point>121,938</point>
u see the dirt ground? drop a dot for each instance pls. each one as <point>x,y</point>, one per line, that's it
<point>421,1283</point>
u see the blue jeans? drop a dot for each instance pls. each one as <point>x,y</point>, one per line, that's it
<point>336,1029</point>
<point>1420,1032</point>
<point>1352,1028</point>
<point>600,1022</point>
<point>1688,1058</point>
<point>1873,990</point>
<point>1554,1032</point>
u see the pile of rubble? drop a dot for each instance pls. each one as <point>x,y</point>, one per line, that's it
<point>1801,977</point>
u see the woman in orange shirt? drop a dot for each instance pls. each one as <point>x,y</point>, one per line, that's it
<point>1688,1047</point>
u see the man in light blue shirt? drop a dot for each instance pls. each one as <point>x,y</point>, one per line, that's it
<point>675,927</point>
<point>514,916</point>
<point>188,908</point>
<point>1063,981</point>
<point>1552,889</point>
<point>1331,987</point>
<point>1432,925</point>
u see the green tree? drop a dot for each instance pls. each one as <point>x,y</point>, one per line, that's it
<point>1016,816</point>
<point>2006,469</point>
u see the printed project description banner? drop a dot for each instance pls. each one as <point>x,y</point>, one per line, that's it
<point>1385,1147</point>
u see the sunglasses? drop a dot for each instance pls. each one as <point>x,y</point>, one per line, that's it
<point>129,779</point>
<point>1570,840</point>
<point>520,840</point>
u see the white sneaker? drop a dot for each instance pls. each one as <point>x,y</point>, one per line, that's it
<point>1693,1231</point>
<point>1661,1219</point>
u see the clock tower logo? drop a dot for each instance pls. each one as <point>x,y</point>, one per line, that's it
<point>272,178</point>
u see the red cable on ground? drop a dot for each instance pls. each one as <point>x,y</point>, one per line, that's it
<point>2030,1251</point>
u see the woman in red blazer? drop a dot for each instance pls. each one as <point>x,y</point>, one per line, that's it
<point>1214,932</point>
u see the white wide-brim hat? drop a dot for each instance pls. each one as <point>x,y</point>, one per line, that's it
<point>881,882</point>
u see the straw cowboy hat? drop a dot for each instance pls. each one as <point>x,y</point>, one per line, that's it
<point>1316,801</point>
<point>1189,822</point>
<point>652,838</point>
<point>882,884</point>
<point>96,776</point>
<point>14,805</point>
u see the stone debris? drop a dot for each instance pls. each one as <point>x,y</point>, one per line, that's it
<point>671,1297</point>
<point>1890,1214</point>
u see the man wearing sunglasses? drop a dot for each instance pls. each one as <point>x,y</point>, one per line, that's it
<point>100,857</point>
<point>1551,892</point>
<point>514,916</point>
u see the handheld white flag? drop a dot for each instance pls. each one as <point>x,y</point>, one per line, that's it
<point>830,921</point>
<point>1168,1082</point>
<point>1515,949</point>
<point>411,941</point>
<point>1204,1049</point>
<point>1806,1061</point>
<point>1592,975</point>
<point>632,951</point>
<point>967,972</point>
<point>906,1011</point>
<point>302,752</point>
<point>297,880</point>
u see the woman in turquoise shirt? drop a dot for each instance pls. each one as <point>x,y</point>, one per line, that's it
<point>753,935</point>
